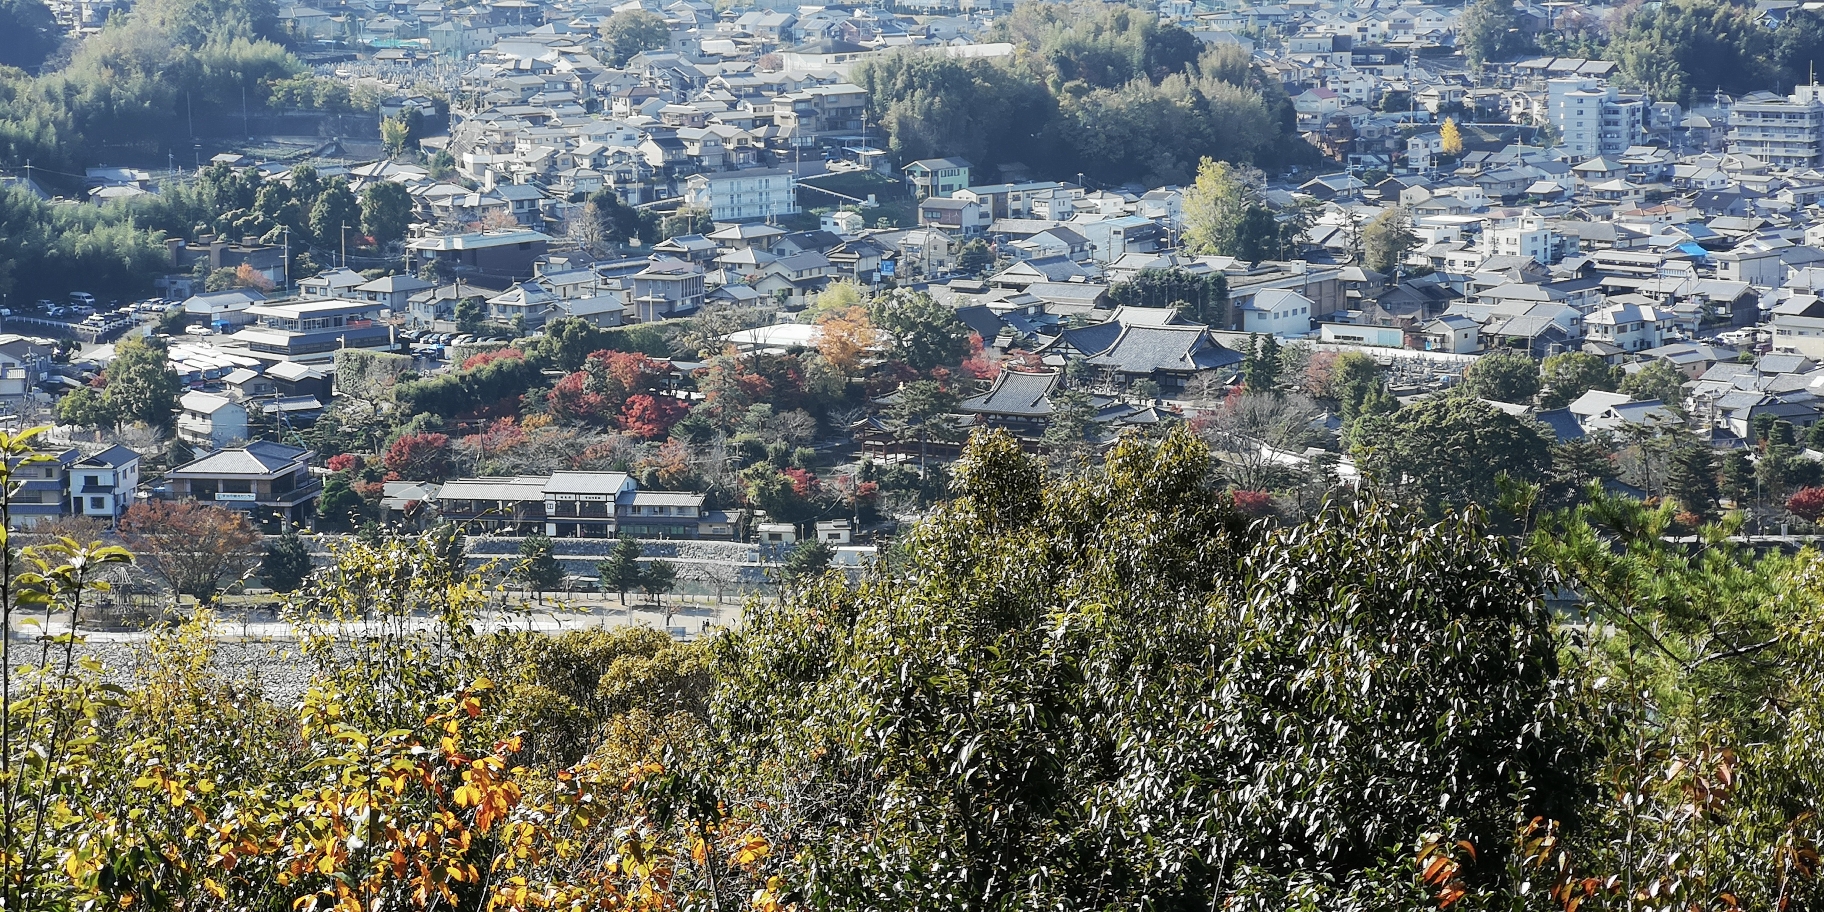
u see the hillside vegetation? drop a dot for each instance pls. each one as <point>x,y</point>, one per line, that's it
<point>1097,690</point>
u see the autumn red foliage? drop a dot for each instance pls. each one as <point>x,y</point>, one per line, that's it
<point>1252,503</point>
<point>1807,504</point>
<point>419,457</point>
<point>489,357</point>
<point>651,417</point>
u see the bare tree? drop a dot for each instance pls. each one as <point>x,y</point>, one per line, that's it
<point>193,548</point>
<point>1261,437</point>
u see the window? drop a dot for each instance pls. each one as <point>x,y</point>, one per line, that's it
<point>96,503</point>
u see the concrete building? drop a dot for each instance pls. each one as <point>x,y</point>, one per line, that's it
<point>1783,132</point>
<point>1593,118</point>
<point>734,196</point>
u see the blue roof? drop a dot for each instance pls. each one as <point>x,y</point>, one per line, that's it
<point>1690,248</point>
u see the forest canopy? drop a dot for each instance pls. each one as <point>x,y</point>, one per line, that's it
<point>1092,88</point>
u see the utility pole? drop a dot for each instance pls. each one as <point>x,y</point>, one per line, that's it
<point>287,230</point>
<point>344,234</point>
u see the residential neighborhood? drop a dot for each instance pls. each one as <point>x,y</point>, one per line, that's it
<point>790,321</point>
<point>1345,455</point>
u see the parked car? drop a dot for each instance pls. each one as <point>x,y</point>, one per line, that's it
<point>198,330</point>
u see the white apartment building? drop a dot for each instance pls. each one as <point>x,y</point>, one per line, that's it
<point>733,196</point>
<point>1525,235</point>
<point>1784,132</point>
<point>1594,119</point>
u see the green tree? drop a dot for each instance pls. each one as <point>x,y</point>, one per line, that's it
<point>335,209</point>
<point>538,566</point>
<point>142,387</point>
<point>1356,381</point>
<point>1260,365</point>
<point>1503,377</point>
<point>629,32</point>
<point>1490,30</point>
<point>1657,380</point>
<point>1692,479</point>
<point>1685,49</point>
<point>975,257</point>
<point>1571,374</point>
<point>1008,644</point>
<point>1204,298</point>
<point>918,331</point>
<point>1447,452</point>
<point>1387,239</point>
<point>471,315</point>
<point>620,223</point>
<point>923,409</point>
<point>686,221</point>
<point>286,563</point>
<point>85,408</point>
<point>657,578</point>
<point>28,33</point>
<point>809,560</point>
<point>386,211</point>
<point>621,571</point>
<point>340,509</point>
<point>1069,427</point>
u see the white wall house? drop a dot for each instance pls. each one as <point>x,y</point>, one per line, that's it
<point>1276,311</point>
<point>734,196</point>
<point>1629,327</point>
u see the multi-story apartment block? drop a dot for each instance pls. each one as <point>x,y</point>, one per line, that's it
<point>1784,132</point>
<point>732,196</point>
<point>1525,235</point>
<point>1592,118</point>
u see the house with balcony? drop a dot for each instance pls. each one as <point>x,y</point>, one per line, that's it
<point>271,482</point>
<point>209,421</point>
<point>312,331</point>
<point>666,288</point>
<point>102,486</point>
<point>575,505</point>
<point>937,176</point>
<point>41,491</point>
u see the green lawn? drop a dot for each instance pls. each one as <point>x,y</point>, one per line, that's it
<point>896,205</point>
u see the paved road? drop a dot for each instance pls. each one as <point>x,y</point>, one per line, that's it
<point>689,618</point>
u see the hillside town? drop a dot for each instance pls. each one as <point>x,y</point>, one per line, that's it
<point>661,270</point>
<point>911,456</point>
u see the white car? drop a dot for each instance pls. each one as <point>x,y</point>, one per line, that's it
<point>194,330</point>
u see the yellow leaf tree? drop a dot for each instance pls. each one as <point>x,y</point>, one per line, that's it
<point>1452,138</point>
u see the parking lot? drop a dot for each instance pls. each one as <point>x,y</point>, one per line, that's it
<point>85,322</point>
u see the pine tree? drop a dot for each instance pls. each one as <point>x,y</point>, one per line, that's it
<point>286,563</point>
<point>621,571</point>
<point>1692,480</point>
<point>539,568</point>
